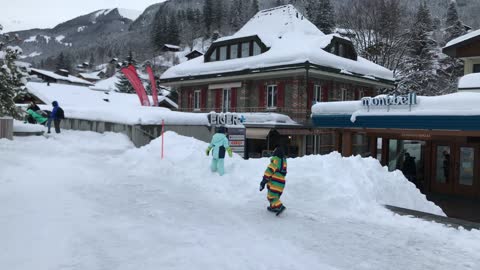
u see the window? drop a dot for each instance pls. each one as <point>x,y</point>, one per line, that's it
<point>272,96</point>
<point>341,50</point>
<point>476,68</point>
<point>256,49</point>
<point>233,51</point>
<point>226,100</point>
<point>347,94</point>
<point>317,93</point>
<point>213,57</point>
<point>196,100</point>
<point>223,53</point>
<point>245,49</point>
<point>361,94</point>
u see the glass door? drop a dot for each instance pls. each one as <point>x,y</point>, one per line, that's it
<point>442,169</point>
<point>465,170</point>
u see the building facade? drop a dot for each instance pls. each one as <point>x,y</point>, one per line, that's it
<point>278,63</point>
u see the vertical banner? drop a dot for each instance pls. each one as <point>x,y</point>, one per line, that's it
<point>131,73</point>
<point>153,85</point>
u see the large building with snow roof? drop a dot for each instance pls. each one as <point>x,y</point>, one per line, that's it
<point>278,62</point>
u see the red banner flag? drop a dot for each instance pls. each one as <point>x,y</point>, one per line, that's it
<point>154,85</point>
<point>131,73</point>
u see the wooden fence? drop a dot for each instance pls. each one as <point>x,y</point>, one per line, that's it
<point>6,128</point>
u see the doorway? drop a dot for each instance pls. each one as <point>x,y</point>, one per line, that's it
<point>455,169</point>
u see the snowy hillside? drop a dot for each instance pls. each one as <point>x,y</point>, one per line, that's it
<point>81,200</point>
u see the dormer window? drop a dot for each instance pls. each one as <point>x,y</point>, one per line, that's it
<point>235,48</point>
<point>343,48</point>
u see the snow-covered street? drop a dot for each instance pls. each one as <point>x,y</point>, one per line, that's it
<point>82,200</point>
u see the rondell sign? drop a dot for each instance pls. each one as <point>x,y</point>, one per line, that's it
<point>390,100</point>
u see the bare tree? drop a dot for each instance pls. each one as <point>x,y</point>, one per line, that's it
<point>379,29</point>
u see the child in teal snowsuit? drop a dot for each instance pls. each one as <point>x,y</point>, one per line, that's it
<point>219,145</point>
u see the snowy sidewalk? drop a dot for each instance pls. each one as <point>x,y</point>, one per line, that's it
<point>82,200</point>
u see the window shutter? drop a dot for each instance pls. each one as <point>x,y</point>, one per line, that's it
<point>325,90</point>
<point>190,99</point>
<point>261,95</point>
<point>233,98</point>
<point>310,94</point>
<point>203,98</point>
<point>218,100</point>
<point>357,94</point>
<point>281,95</point>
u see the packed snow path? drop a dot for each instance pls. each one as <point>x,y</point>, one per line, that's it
<point>82,200</point>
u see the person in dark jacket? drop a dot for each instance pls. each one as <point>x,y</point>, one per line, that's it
<point>274,179</point>
<point>409,168</point>
<point>56,115</point>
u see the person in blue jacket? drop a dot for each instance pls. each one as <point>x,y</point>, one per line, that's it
<point>219,145</point>
<point>56,115</point>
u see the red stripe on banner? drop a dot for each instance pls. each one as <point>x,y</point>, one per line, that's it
<point>131,78</point>
<point>138,85</point>
<point>153,85</point>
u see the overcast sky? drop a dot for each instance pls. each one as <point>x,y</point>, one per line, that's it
<point>26,14</point>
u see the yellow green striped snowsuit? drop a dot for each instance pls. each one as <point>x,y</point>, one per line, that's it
<point>275,173</point>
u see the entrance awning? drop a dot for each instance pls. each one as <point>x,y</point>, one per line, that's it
<point>257,133</point>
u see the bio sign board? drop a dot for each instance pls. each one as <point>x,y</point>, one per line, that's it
<point>235,129</point>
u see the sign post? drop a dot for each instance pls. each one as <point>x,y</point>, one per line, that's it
<point>235,129</point>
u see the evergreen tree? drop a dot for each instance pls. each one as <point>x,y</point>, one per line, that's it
<point>453,26</point>
<point>91,62</point>
<point>124,85</point>
<point>10,83</point>
<point>325,19</point>
<point>419,74</point>
<point>255,8</point>
<point>173,35</point>
<point>236,20</point>
<point>208,15</point>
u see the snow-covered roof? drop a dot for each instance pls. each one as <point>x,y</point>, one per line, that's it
<point>461,103</point>
<point>91,75</point>
<point>170,46</point>
<point>70,78</point>
<point>80,102</point>
<point>292,39</point>
<point>463,38</point>
<point>470,81</point>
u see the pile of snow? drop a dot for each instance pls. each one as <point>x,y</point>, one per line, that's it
<point>31,39</point>
<point>462,103</point>
<point>19,126</point>
<point>469,81</point>
<point>81,28</point>
<point>118,207</point>
<point>281,29</point>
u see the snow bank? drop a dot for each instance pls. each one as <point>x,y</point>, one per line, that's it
<point>469,81</point>
<point>19,126</point>
<point>352,186</point>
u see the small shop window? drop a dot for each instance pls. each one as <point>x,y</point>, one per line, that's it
<point>476,68</point>
<point>272,96</point>
<point>223,53</point>
<point>213,56</point>
<point>245,49</point>
<point>234,51</point>
<point>256,49</point>
<point>317,93</point>
<point>196,100</point>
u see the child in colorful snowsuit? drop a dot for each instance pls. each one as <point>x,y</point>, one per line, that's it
<point>219,145</point>
<point>274,178</point>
